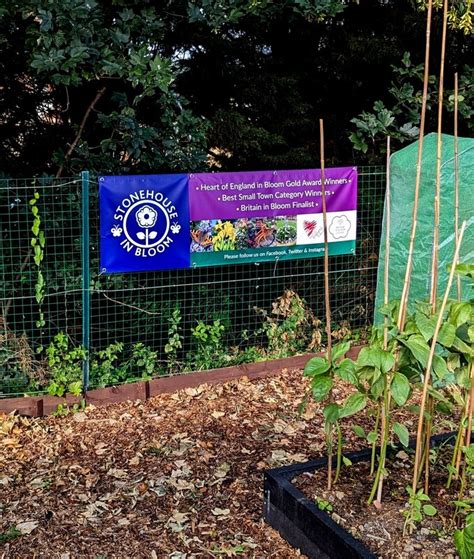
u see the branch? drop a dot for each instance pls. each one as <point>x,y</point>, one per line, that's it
<point>72,147</point>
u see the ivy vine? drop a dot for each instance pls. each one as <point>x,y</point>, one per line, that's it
<point>38,242</point>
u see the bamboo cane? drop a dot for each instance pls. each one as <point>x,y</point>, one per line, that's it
<point>429,426</point>
<point>385,412</point>
<point>456,174</point>
<point>437,210</point>
<point>409,266</point>
<point>467,439</point>
<point>456,235</point>
<point>384,432</point>
<point>462,433</point>
<point>326,243</point>
<point>387,243</point>
<point>419,442</point>
<point>327,303</point>
<point>470,409</point>
<point>437,203</point>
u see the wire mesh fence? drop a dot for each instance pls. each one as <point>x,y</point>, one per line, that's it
<point>149,324</point>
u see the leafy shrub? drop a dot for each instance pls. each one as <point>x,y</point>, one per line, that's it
<point>209,352</point>
<point>65,366</point>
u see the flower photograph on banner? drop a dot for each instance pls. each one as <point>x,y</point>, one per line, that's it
<point>242,234</point>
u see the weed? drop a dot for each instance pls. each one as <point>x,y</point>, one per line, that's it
<point>210,352</point>
<point>11,534</point>
<point>143,360</point>
<point>65,365</point>
<point>63,410</point>
<point>418,508</point>
<point>175,341</point>
<point>323,504</point>
<point>107,367</point>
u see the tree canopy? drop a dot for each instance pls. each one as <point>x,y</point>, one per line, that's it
<point>120,86</point>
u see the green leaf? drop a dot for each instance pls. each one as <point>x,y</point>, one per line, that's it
<point>358,142</point>
<point>38,255</point>
<point>470,333</point>
<point>359,431</point>
<point>462,332</point>
<point>354,404</point>
<point>465,270</point>
<point>377,358</point>
<point>462,346</point>
<point>440,367</point>
<point>390,310</point>
<point>462,546</point>
<point>464,539</point>
<point>346,461</point>
<point>316,366</point>
<point>460,504</point>
<point>402,433</point>
<point>425,325</point>
<point>372,437</point>
<point>321,386</point>
<point>366,373</point>
<point>364,358</point>
<point>429,510</point>
<point>418,348</point>
<point>400,388</point>
<point>453,361</point>
<point>346,371</point>
<point>75,388</point>
<point>386,360</point>
<point>446,335</point>
<point>459,314</point>
<point>331,413</point>
<point>377,388</point>
<point>339,350</point>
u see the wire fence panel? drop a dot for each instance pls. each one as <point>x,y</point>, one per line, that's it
<point>161,323</point>
<point>40,291</point>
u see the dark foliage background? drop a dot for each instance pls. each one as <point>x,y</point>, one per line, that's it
<point>120,86</point>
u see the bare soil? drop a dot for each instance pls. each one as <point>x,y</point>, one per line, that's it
<point>382,530</point>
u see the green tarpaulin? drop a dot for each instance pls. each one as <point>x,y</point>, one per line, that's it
<point>403,173</point>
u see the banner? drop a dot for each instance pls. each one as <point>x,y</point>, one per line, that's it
<point>156,222</point>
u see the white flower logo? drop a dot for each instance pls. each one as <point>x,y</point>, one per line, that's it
<point>146,217</point>
<point>116,231</point>
<point>175,228</point>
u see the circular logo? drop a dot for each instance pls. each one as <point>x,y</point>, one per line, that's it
<point>144,223</point>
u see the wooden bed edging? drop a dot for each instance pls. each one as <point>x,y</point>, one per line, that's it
<point>38,406</point>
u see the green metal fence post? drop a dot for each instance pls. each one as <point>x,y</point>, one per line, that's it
<point>86,309</point>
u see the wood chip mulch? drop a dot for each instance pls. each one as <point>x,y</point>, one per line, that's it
<point>179,476</point>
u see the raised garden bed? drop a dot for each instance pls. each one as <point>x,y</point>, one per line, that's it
<point>143,390</point>
<point>313,531</point>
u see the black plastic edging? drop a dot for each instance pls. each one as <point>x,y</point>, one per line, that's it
<point>302,524</point>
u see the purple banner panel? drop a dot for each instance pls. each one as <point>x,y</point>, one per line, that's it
<point>270,193</point>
